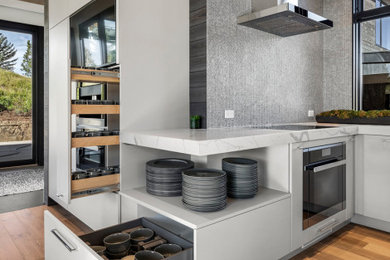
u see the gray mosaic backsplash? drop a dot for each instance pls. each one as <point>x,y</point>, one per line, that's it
<point>269,79</point>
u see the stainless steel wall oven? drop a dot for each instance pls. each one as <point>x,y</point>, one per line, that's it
<point>324,182</point>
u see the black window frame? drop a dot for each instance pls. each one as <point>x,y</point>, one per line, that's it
<point>37,33</point>
<point>360,15</point>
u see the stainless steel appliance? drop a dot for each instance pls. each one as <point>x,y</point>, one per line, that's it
<point>324,182</point>
<point>283,17</point>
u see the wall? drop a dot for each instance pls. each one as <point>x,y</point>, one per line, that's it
<point>22,12</point>
<point>337,87</point>
<point>269,79</point>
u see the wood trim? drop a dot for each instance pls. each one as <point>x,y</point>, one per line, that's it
<point>95,183</point>
<point>95,109</point>
<point>94,78</point>
<point>95,141</point>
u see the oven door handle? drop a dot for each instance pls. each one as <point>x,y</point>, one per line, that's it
<point>327,166</point>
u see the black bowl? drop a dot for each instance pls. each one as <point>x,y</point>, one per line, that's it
<point>117,243</point>
<point>141,235</point>
<point>148,255</point>
<point>168,249</point>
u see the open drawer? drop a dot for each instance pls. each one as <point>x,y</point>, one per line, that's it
<point>62,244</point>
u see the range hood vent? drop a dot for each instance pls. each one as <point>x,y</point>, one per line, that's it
<point>284,18</point>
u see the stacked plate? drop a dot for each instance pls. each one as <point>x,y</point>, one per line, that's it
<point>204,190</point>
<point>242,177</point>
<point>163,176</point>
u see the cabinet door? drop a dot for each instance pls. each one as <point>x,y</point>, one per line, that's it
<point>59,113</point>
<point>58,11</point>
<point>376,178</point>
<point>63,244</point>
<point>264,233</point>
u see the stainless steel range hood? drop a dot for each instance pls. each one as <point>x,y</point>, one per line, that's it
<point>283,17</point>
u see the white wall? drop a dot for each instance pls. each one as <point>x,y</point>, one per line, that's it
<point>22,12</point>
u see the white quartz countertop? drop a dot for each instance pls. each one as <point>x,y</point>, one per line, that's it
<point>203,142</point>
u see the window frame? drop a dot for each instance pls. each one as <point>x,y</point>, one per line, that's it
<point>37,33</point>
<point>360,15</point>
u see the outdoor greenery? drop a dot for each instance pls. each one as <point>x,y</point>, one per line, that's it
<point>349,114</point>
<point>7,52</point>
<point>15,92</point>
<point>27,61</point>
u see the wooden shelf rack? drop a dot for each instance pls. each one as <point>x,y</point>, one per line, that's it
<point>96,109</point>
<point>95,141</point>
<point>95,183</point>
<point>91,75</point>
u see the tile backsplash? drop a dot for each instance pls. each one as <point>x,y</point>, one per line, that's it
<point>268,79</point>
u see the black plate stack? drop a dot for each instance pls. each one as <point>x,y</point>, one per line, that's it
<point>242,177</point>
<point>204,190</point>
<point>164,176</point>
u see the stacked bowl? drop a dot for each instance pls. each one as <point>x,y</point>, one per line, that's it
<point>164,176</point>
<point>204,190</point>
<point>242,177</point>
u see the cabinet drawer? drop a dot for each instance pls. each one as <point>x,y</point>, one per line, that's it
<point>61,243</point>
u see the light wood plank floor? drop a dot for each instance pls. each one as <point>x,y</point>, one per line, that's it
<point>21,232</point>
<point>21,237</point>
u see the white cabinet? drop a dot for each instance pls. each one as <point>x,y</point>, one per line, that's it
<point>59,113</point>
<point>75,5</point>
<point>58,11</point>
<point>373,177</point>
<point>62,9</point>
<point>264,233</point>
<point>62,244</point>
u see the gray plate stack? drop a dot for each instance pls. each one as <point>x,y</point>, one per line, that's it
<point>242,177</point>
<point>204,190</point>
<point>164,176</point>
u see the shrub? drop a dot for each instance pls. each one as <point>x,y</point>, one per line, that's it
<point>15,92</point>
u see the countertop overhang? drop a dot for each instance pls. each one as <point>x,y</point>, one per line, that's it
<point>204,142</point>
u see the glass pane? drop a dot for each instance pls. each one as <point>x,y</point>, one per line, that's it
<point>92,47</point>
<point>372,4</point>
<point>376,64</point>
<point>15,96</point>
<point>109,28</point>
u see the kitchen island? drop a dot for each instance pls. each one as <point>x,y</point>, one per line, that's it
<point>271,222</point>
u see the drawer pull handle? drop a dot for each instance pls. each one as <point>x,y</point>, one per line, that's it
<point>63,240</point>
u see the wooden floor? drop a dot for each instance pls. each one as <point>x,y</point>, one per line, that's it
<point>21,237</point>
<point>21,232</point>
<point>353,242</point>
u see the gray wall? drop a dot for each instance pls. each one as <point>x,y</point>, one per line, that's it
<point>269,79</point>
<point>337,87</point>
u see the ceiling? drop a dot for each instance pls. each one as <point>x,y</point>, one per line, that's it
<point>40,2</point>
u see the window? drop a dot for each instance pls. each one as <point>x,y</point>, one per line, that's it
<point>372,54</point>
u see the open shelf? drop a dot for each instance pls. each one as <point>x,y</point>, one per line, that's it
<point>95,109</point>
<point>95,183</point>
<point>173,208</point>
<point>95,141</point>
<point>91,75</point>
